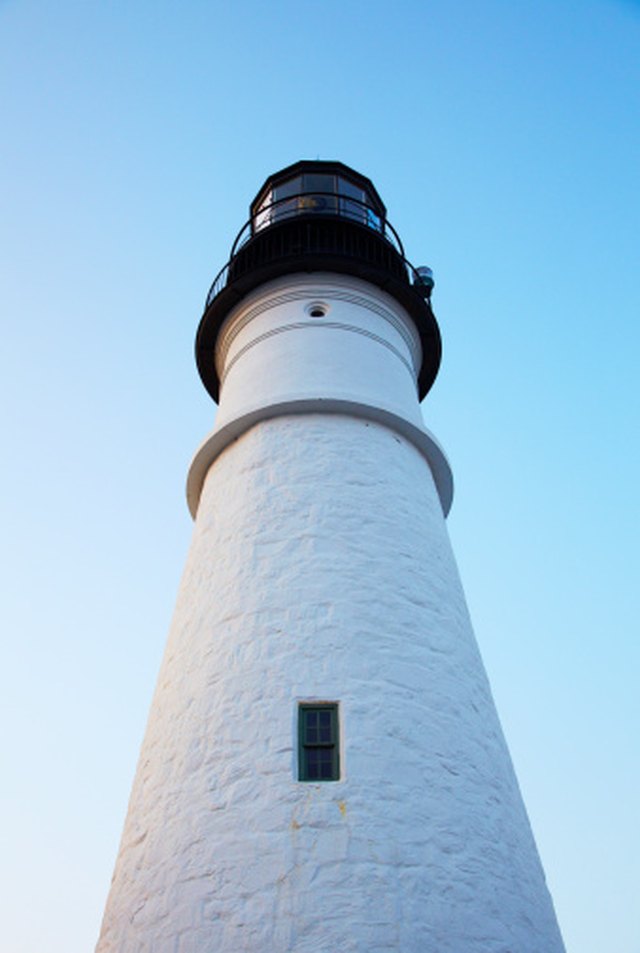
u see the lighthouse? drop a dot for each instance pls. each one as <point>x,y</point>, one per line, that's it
<point>323,768</point>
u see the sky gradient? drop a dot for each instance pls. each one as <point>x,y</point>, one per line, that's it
<point>504,139</point>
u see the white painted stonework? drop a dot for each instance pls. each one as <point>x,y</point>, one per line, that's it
<point>361,357</point>
<point>320,569</point>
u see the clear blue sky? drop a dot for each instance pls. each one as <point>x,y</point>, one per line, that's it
<point>504,138</point>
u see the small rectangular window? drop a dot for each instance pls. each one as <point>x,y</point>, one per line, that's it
<point>318,742</point>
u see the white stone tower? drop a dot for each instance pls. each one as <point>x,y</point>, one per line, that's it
<point>323,769</point>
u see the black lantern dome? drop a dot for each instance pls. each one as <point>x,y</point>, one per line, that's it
<point>318,216</point>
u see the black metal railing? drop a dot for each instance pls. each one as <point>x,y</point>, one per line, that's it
<point>316,206</point>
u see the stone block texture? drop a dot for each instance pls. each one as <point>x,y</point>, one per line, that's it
<point>320,569</point>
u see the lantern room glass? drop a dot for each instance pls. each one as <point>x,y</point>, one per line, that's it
<point>316,192</point>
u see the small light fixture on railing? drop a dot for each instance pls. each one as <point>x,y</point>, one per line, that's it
<point>423,281</point>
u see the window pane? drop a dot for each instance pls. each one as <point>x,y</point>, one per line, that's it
<point>263,216</point>
<point>318,757</point>
<point>348,188</point>
<point>288,188</point>
<point>311,727</point>
<point>373,220</point>
<point>315,198</point>
<point>285,206</point>
<point>354,210</point>
<point>318,183</point>
<point>317,203</point>
<point>267,200</point>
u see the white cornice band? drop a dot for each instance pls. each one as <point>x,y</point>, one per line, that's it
<point>217,441</point>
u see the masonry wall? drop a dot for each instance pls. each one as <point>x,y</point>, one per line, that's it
<point>321,568</point>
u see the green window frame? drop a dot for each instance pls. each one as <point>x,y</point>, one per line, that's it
<point>318,742</point>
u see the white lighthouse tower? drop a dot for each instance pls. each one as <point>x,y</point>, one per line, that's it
<point>323,769</point>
